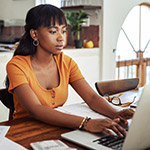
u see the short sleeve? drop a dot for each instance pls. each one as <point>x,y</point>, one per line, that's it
<point>75,73</point>
<point>16,76</point>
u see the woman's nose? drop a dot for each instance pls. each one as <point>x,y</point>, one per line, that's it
<point>60,37</point>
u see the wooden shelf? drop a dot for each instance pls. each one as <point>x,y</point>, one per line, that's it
<point>81,7</point>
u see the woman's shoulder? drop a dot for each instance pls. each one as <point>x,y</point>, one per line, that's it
<point>65,60</point>
<point>19,60</point>
<point>63,57</point>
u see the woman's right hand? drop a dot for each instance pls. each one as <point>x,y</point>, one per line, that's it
<point>104,125</point>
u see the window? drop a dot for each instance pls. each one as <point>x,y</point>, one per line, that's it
<point>135,34</point>
<point>133,47</point>
<point>53,2</point>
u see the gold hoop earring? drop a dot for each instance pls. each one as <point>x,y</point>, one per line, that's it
<point>35,42</point>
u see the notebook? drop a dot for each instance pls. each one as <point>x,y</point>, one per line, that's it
<point>138,136</point>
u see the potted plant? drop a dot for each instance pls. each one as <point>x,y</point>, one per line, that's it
<point>76,19</point>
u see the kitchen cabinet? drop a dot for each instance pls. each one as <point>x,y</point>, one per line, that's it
<point>89,64</point>
<point>4,58</point>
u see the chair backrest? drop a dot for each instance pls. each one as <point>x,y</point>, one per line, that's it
<point>116,86</point>
<point>7,99</point>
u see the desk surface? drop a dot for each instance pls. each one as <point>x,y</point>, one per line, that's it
<point>27,130</point>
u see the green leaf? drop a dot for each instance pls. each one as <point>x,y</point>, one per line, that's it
<point>75,19</point>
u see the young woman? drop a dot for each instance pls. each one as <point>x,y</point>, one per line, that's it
<point>39,74</point>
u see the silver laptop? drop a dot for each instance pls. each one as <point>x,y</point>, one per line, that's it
<point>138,136</point>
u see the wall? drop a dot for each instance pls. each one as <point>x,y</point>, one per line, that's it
<point>15,9</point>
<point>92,27</point>
<point>114,14</point>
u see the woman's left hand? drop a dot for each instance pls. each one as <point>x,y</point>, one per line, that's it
<point>125,114</point>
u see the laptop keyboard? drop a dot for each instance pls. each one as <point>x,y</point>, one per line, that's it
<point>114,142</point>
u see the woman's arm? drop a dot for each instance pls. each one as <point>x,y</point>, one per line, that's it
<point>96,102</point>
<point>32,105</point>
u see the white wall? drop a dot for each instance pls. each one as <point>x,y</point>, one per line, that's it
<point>114,14</point>
<point>15,9</point>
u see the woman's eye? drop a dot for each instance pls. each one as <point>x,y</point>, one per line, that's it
<point>52,32</point>
<point>64,31</point>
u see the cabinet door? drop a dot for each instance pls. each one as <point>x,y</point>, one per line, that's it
<point>4,58</point>
<point>88,62</point>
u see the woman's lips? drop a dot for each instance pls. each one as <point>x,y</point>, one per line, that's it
<point>59,46</point>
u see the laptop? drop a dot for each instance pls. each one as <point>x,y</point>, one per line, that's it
<point>138,136</point>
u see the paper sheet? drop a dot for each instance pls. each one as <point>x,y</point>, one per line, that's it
<point>5,143</point>
<point>3,131</point>
<point>128,96</point>
<point>83,110</point>
<point>80,109</point>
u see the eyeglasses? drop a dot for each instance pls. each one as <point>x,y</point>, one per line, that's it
<point>115,100</point>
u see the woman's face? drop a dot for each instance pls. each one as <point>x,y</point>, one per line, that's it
<point>51,39</point>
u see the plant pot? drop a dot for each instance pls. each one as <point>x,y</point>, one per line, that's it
<point>78,43</point>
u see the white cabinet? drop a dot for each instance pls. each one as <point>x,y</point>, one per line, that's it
<point>4,58</point>
<point>89,64</point>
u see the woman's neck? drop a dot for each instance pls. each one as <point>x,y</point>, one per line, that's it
<point>42,60</point>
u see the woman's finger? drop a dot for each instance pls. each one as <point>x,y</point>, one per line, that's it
<point>121,121</point>
<point>121,130</point>
<point>118,129</point>
<point>108,131</point>
<point>117,120</point>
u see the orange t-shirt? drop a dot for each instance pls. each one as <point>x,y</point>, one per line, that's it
<point>19,71</point>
